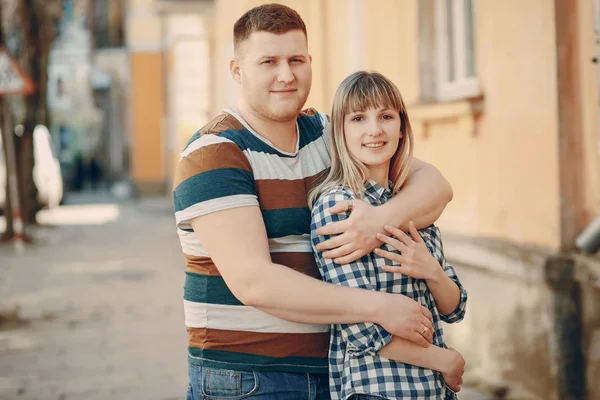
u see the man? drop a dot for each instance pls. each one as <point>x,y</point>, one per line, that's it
<point>256,314</point>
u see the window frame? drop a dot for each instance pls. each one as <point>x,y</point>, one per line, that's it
<point>462,86</point>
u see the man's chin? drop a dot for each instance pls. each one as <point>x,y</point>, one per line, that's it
<point>285,115</point>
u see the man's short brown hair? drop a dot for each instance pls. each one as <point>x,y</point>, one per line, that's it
<point>272,18</point>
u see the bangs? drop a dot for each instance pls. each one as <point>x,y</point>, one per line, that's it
<point>372,91</point>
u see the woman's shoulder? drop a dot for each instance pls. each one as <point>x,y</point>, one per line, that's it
<point>333,195</point>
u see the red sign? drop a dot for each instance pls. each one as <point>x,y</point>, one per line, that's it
<point>12,78</point>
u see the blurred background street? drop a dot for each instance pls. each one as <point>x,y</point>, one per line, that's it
<point>93,311</point>
<point>98,97</point>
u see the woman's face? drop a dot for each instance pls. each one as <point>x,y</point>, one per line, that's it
<point>373,136</point>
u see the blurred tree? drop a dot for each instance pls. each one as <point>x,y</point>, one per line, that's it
<point>32,26</point>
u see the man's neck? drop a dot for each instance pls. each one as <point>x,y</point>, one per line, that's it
<point>283,135</point>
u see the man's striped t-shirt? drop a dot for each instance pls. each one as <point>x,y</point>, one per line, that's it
<point>226,165</point>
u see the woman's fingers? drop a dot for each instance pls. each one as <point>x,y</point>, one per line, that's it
<point>403,237</point>
<point>398,245</point>
<point>415,234</point>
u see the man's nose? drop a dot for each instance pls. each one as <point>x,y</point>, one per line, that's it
<point>285,73</point>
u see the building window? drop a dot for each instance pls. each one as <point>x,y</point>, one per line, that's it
<point>456,70</point>
<point>448,32</point>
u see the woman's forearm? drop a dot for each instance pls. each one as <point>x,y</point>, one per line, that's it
<point>432,357</point>
<point>445,292</point>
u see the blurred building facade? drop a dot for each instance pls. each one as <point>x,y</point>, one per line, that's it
<point>503,99</point>
<point>87,92</point>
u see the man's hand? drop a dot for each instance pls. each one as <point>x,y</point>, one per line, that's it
<point>405,318</point>
<point>454,370</point>
<point>356,235</point>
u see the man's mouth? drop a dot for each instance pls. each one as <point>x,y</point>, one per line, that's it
<point>284,91</point>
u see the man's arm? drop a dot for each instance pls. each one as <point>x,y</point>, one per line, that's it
<point>236,241</point>
<point>422,199</point>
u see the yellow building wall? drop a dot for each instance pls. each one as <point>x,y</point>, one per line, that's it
<point>147,93</point>
<point>506,175</point>
<point>147,96</point>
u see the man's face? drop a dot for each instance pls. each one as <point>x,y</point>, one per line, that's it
<point>274,72</point>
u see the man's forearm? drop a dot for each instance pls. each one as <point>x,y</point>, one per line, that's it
<point>422,199</point>
<point>296,297</point>
<point>404,351</point>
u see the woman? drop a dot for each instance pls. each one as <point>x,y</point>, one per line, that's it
<point>371,150</point>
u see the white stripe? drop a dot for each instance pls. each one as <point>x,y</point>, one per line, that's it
<point>241,318</point>
<point>190,244</point>
<point>288,244</point>
<point>203,141</point>
<point>184,217</point>
<point>314,159</point>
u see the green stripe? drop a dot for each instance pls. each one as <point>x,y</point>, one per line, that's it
<point>252,362</point>
<point>208,289</point>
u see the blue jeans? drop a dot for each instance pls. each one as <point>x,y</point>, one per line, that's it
<point>208,383</point>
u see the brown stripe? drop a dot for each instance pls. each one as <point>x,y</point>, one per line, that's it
<point>222,155</point>
<point>312,181</point>
<point>274,194</point>
<point>301,262</point>
<point>201,265</point>
<point>263,344</point>
<point>222,123</point>
<point>309,112</point>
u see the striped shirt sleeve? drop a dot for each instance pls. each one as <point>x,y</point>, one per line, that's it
<point>362,338</point>
<point>213,174</point>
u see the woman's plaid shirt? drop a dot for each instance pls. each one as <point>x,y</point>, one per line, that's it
<point>354,366</point>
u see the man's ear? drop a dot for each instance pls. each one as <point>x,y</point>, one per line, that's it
<point>234,69</point>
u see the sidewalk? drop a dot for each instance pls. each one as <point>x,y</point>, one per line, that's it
<point>99,306</point>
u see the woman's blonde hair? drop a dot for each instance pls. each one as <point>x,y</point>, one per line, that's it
<point>359,92</point>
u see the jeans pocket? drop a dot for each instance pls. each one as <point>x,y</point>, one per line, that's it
<point>227,384</point>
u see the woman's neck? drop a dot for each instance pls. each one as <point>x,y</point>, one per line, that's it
<point>380,174</point>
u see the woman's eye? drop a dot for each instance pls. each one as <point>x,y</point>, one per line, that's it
<point>357,118</point>
<point>388,117</point>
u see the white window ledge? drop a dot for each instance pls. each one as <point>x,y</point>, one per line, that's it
<point>463,112</point>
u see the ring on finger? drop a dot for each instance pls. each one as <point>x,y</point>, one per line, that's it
<point>424,330</point>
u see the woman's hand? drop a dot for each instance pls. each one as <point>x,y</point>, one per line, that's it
<point>415,259</point>
<point>356,235</point>
<point>454,369</point>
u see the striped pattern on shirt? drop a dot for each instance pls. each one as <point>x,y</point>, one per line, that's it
<point>226,165</point>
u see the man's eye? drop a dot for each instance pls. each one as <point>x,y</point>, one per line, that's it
<point>267,62</point>
<point>297,60</point>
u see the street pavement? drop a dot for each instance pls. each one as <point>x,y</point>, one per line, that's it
<point>93,310</point>
<point>96,305</point>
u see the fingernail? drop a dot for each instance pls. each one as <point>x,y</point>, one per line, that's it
<point>386,227</point>
<point>379,235</point>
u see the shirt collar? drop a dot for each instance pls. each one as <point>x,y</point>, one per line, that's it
<point>376,191</point>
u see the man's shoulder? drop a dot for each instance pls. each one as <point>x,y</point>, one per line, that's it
<point>224,128</point>
<point>314,115</point>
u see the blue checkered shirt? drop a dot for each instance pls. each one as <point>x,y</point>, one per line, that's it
<point>354,366</point>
